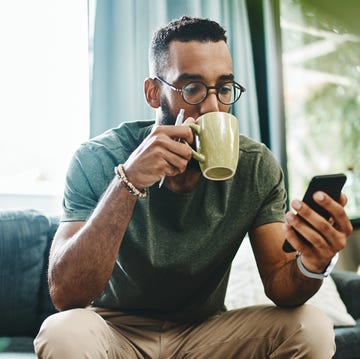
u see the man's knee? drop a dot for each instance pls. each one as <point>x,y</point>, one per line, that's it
<point>70,323</point>
<point>71,331</point>
<point>312,332</point>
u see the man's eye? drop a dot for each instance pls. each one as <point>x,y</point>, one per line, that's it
<point>225,89</point>
<point>193,88</point>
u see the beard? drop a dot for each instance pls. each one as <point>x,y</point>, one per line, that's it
<point>168,119</point>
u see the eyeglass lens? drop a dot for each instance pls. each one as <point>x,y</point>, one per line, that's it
<point>196,92</point>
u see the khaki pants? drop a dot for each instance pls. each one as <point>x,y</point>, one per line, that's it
<point>253,332</point>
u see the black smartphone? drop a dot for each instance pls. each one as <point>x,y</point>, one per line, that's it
<point>331,184</point>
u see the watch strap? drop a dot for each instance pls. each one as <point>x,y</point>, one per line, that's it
<point>309,274</point>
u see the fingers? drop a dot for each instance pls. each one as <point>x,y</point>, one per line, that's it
<point>323,226</point>
<point>343,199</point>
<point>176,132</point>
<point>311,237</point>
<point>159,154</point>
<point>171,144</point>
<point>322,237</point>
<point>337,212</point>
<point>189,120</point>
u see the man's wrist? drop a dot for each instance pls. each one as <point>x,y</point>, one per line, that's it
<point>120,173</point>
<point>313,275</point>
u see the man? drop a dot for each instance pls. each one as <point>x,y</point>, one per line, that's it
<point>146,277</point>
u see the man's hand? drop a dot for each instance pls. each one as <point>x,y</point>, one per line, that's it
<point>325,238</point>
<point>159,154</point>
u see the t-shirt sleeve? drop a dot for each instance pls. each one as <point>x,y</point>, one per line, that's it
<point>92,167</point>
<point>270,182</point>
<point>85,183</point>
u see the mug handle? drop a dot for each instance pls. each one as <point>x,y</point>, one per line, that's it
<point>196,129</point>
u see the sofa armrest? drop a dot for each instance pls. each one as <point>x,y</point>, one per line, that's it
<point>348,286</point>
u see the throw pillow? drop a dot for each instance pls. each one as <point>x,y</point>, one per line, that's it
<point>245,289</point>
<point>23,239</point>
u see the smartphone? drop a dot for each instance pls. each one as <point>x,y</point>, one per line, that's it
<point>331,184</point>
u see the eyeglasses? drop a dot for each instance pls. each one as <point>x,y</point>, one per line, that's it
<point>196,92</point>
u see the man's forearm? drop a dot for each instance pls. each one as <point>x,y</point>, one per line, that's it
<point>289,287</point>
<point>81,264</point>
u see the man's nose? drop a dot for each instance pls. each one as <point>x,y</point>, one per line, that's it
<point>211,103</point>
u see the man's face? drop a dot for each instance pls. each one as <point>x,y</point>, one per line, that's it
<point>209,62</point>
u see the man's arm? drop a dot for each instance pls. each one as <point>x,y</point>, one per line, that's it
<point>283,281</point>
<point>284,284</point>
<point>83,254</point>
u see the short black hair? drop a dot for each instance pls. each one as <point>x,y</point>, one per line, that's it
<point>184,29</point>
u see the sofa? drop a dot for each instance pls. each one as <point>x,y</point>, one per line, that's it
<point>25,239</point>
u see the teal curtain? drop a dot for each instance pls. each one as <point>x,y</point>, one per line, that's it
<point>119,46</point>
<point>264,21</point>
<point>275,91</point>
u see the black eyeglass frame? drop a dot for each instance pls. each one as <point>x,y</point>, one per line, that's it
<point>181,91</point>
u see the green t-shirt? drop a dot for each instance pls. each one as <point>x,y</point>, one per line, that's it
<point>176,254</point>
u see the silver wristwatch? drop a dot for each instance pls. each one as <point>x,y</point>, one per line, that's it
<point>309,274</point>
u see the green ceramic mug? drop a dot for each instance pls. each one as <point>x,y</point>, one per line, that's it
<point>217,144</point>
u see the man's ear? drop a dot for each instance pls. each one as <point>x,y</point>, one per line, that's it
<point>152,92</point>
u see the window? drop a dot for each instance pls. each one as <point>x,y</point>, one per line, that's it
<point>44,96</point>
<point>321,70</point>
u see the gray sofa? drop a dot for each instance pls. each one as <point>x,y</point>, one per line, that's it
<point>25,238</point>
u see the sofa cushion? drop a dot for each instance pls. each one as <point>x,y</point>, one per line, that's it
<point>23,239</point>
<point>348,284</point>
<point>348,342</point>
<point>17,347</point>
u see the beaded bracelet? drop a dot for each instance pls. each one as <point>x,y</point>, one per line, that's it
<point>119,171</point>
